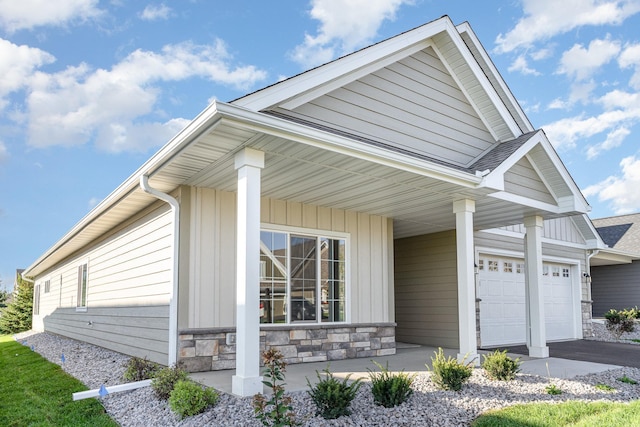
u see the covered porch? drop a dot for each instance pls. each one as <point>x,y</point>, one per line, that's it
<point>295,167</point>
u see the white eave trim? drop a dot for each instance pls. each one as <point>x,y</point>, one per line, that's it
<point>466,28</point>
<point>276,126</point>
<point>195,128</point>
<point>323,74</point>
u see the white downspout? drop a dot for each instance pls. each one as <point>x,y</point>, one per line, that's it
<point>588,277</point>
<point>173,298</point>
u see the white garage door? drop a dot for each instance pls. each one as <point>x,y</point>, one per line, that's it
<point>502,306</point>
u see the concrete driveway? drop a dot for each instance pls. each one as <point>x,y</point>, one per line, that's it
<point>590,351</point>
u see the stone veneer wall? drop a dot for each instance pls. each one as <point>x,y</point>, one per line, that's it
<point>587,324</point>
<point>214,349</point>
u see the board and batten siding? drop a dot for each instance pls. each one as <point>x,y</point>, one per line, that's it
<point>128,286</point>
<point>615,286</point>
<point>561,229</point>
<point>413,104</point>
<point>426,290</point>
<point>212,286</point>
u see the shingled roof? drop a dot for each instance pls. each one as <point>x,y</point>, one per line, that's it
<point>620,232</point>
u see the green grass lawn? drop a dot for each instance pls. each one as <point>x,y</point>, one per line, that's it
<point>35,392</point>
<point>574,414</point>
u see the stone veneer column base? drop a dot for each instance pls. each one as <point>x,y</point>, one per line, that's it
<point>587,324</point>
<point>214,349</point>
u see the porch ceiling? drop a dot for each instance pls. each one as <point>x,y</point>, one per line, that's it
<point>304,173</point>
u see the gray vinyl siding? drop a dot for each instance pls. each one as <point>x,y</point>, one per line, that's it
<point>413,104</point>
<point>128,288</point>
<point>615,286</point>
<point>134,330</point>
<point>523,180</point>
<point>426,290</point>
<point>212,284</point>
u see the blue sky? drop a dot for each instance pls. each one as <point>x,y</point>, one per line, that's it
<point>90,89</point>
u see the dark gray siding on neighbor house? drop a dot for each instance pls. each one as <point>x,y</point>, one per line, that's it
<point>615,286</point>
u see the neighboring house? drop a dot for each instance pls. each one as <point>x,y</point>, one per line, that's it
<point>332,214</point>
<point>615,272</point>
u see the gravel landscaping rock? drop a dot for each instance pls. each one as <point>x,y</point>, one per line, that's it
<point>600,333</point>
<point>95,366</point>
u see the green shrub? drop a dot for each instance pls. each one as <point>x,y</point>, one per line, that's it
<point>632,313</point>
<point>552,389</point>
<point>619,322</point>
<point>165,380</point>
<point>389,389</point>
<point>331,396</point>
<point>448,373</point>
<point>189,398</point>
<point>604,387</point>
<point>277,411</point>
<point>626,379</point>
<point>137,369</point>
<point>499,366</point>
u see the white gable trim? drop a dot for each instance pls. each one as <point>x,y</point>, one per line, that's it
<point>575,202</point>
<point>466,28</point>
<point>323,79</point>
<point>319,76</point>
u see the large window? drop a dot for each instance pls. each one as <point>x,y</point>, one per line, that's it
<point>82,287</point>
<point>302,278</point>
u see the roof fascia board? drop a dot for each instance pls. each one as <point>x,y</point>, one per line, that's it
<point>495,179</point>
<point>484,82</point>
<point>188,134</point>
<point>526,201</point>
<point>615,256</point>
<point>315,79</point>
<point>309,80</point>
<point>594,237</point>
<point>310,136</point>
<point>465,27</point>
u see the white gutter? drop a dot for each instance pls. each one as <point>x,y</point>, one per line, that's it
<point>111,389</point>
<point>173,298</point>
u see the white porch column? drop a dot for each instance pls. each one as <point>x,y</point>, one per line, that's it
<point>247,380</point>
<point>534,295</point>
<point>464,210</point>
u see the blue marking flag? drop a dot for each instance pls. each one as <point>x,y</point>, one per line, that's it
<point>32,348</point>
<point>103,391</point>
<point>62,358</point>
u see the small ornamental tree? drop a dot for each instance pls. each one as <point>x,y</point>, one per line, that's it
<point>16,317</point>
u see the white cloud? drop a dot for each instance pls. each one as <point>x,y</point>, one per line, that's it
<point>78,104</point>
<point>544,19</point>
<point>17,65</point>
<point>541,54</point>
<point>4,152</point>
<point>630,57</point>
<point>27,14</point>
<point>155,12</point>
<point>520,64</point>
<point>614,139</point>
<point>621,191</point>
<point>345,25</point>
<point>580,63</point>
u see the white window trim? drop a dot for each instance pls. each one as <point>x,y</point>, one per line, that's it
<point>347,280</point>
<point>86,297</point>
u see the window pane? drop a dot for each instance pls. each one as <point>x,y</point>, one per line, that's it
<point>332,282</point>
<point>273,280</point>
<point>303,278</point>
